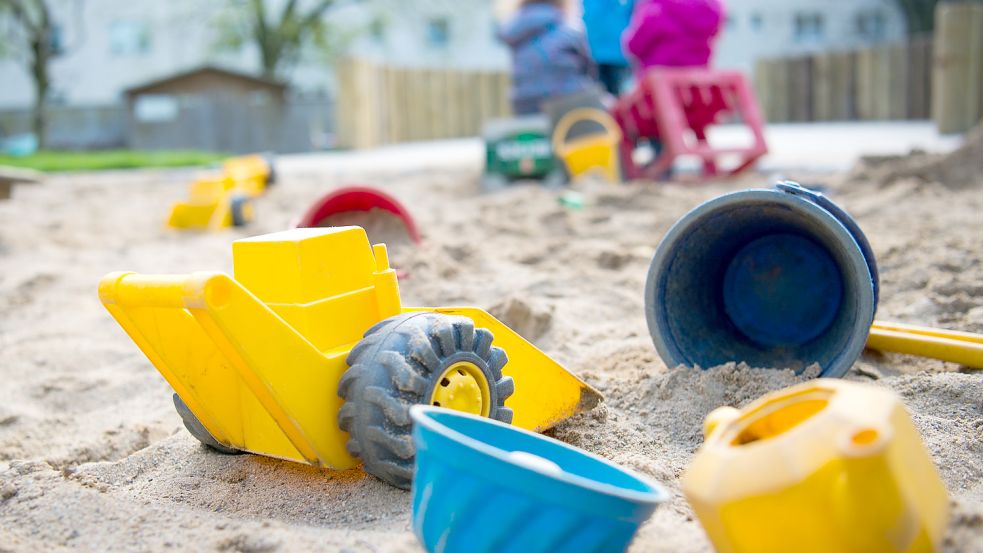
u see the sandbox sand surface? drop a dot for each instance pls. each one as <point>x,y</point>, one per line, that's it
<point>94,458</point>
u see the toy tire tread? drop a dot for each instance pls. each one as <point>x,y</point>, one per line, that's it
<point>557,178</point>
<point>271,175</point>
<point>198,430</point>
<point>238,205</point>
<point>493,183</point>
<point>395,366</point>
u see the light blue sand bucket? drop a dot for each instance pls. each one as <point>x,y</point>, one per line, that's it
<point>774,278</point>
<point>482,486</point>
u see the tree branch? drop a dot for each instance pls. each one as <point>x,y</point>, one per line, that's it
<point>315,14</point>
<point>19,12</point>
<point>288,11</point>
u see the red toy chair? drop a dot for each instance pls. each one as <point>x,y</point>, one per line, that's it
<point>676,106</point>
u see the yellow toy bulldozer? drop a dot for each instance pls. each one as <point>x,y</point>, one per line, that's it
<point>225,199</point>
<point>308,354</point>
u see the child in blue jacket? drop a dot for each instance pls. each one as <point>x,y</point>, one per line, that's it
<point>549,58</point>
<point>605,21</point>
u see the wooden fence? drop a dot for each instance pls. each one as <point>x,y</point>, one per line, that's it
<point>884,82</point>
<point>941,79</point>
<point>379,104</point>
<point>957,83</point>
<point>920,79</point>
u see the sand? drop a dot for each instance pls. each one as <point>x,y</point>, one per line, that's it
<point>94,458</point>
<point>957,169</point>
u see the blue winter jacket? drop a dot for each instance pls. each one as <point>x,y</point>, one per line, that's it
<point>605,21</point>
<point>549,59</point>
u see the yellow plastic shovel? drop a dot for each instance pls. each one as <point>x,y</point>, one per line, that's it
<point>947,345</point>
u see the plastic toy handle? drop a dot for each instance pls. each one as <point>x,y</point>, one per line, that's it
<point>946,345</point>
<point>575,116</point>
<point>847,221</point>
<point>929,331</point>
<point>718,418</point>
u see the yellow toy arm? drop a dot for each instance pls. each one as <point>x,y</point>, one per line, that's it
<point>247,375</point>
<point>150,309</point>
<point>946,345</point>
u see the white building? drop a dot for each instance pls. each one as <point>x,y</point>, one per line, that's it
<point>433,33</point>
<point>114,44</point>
<point>780,28</point>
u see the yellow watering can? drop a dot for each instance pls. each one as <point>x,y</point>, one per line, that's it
<point>828,465</point>
<point>596,151</point>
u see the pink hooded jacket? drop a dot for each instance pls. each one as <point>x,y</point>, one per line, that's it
<point>673,33</point>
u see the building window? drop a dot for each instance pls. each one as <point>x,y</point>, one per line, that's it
<point>757,22</point>
<point>377,30</point>
<point>156,108</point>
<point>56,40</point>
<point>259,97</point>
<point>810,28</point>
<point>872,24</point>
<point>129,38</point>
<point>438,32</point>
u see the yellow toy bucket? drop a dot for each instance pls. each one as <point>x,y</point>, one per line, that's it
<point>595,152</point>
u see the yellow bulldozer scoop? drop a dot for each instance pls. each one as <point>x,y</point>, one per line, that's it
<point>252,381</point>
<point>258,358</point>
<point>545,392</point>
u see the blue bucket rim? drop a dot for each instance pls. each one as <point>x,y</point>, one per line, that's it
<point>657,495</point>
<point>657,329</point>
<point>796,189</point>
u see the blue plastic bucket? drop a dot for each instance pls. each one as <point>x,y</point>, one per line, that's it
<point>484,486</point>
<point>778,278</point>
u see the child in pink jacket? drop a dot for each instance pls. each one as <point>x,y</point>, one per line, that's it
<point>673,33</point>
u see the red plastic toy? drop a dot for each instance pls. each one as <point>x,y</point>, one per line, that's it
<point>357,198</point>
<point>676,106</point>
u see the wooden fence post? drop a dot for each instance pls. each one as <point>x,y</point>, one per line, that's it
<point>800,89</point>
<point>823,87</point>
<point>896,89</point>
<point>844,76</point>
<point>345,129</point>
<point>864,75</point>
<point>776,79</point>
<point>416,105</point>
<point>920,78</point>
<point>763,89</point>
<point>957,80</point>
<point>503,90</point>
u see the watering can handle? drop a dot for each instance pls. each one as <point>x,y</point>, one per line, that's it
<point>575,116</point>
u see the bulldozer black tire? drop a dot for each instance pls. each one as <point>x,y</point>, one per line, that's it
<point>271,175</point>
<point>396,365</point>
<point>238,206</point>
<point>198,430</point>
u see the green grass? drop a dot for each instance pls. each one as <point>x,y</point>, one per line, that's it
<point>51,161</point>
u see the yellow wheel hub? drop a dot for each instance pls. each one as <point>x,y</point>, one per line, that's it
<point>463,387</point>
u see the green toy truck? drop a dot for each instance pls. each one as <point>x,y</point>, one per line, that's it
<point>519,149</point>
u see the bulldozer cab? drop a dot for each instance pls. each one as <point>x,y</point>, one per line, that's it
<point>328,284</point>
